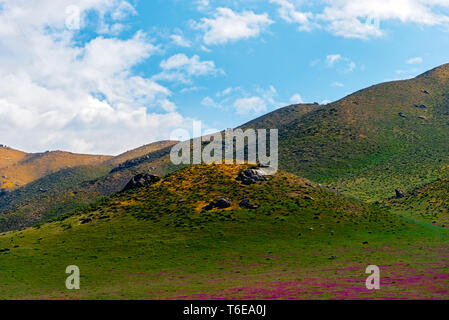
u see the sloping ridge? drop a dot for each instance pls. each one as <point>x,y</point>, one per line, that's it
<point>31,167</point>
<point>63,191</point>
<point>391,135</point>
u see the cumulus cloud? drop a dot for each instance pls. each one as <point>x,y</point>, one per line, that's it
<point>288,12</point>
<point>228,26</point>
<point>296,99</point>
<point>180,41</point>
<point>362,19</point>
<point>254,105</point>
<point>58,93</point>
<point>181,68</point>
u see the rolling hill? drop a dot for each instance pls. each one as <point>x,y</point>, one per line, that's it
<point>391,135</point>
<point>18,169</point>
<point>429,203</point>
<point>160,242</point>
<point>68,189</point>
<point>199,233</point>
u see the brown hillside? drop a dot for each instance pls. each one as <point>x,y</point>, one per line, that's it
<point>18,169</point>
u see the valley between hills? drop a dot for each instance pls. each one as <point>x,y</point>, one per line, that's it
<point>362,181</point>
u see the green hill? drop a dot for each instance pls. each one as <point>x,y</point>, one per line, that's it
<point>429,203</point>
<point>68,189</point>
<point>303,241</point>
<point>388,136</point>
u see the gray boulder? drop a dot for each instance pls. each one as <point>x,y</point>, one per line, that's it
<point>251,176</point>
<point>246,204</point>
<point>399,194</point>
<point>222,203</point>
<point>219,204</point>
<point>140,181</point>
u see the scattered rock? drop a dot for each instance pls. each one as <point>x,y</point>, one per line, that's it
<point>399,194</point>
<point>422,106</point>
<point>209,207</point>
<point>86,220</point>
<point>402,115</point>
<point>140,181</point>
<point>422,118</point>
<point>308,198</point>
<point>4,250</point>
<point>219,204</point>
<point>246,204</point>
<point>426,92</point>
<point>251,176</point>
<point>222,203</point>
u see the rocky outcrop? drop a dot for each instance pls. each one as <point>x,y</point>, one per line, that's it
<point>219,204</point>
<point>246,204</point>
<point>400,194</point>
<point>140,181</point>
<point>252,176</point>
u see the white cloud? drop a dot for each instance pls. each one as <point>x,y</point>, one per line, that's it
<point>338,60</point>
<point>180,41</point>
<point>296,99</point>
<point>354,19</point>
<point>57,93</point>
<point>254,105</point>
<point>362,19</point>
<point>416,60</point>
<point>290,14</point>
<point>181,68</point>
<point>229,26</point>
<point>332,59</point>
<point>202,4</point>
<point>338,84</point>
<point>210,103</point>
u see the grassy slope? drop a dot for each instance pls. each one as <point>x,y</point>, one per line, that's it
<point>157,243</point>
<point>68,189</point>
<point>34,166</point>
<point>46,198</point>
<point>10,156</point>
<point>429,203</point>
<point>361,145</point>
<point>139,152</point>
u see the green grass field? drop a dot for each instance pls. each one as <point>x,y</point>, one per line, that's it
<point>157,243</point>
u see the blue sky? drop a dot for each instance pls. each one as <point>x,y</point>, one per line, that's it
<point>127,73</point>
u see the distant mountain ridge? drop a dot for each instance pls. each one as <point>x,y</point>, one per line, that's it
<point>18,168</point>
